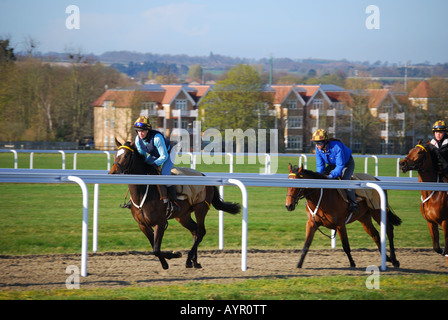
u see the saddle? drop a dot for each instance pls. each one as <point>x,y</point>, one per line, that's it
<point>371,197</point>
<point>194,194</point>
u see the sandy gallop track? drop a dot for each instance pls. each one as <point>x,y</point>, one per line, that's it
<point>120,269</point>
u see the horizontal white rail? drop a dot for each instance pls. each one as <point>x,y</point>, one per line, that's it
<point>214,179</point>
<point>194,156</point>
<point>211,179</point>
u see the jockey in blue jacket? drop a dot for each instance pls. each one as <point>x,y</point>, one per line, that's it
<point>335,160</point>
<point>156,150</point>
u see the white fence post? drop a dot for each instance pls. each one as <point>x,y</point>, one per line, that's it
<point>221,221</point>
<point>244,223</point>
<point>383,221</point>
<point>96,194</point>
<point>85,222</point>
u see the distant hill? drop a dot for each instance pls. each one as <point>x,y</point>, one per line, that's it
<point>133,62</point>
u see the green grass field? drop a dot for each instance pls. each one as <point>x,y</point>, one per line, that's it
<point>46,218</point>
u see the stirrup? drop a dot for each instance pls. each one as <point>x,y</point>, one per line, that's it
<point>126,205</point>
<point>171,208</point>
<point>353,207</point>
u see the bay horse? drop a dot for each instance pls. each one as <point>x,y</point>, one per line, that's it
<point>434,204</point>
<point>150,211</point>
<point>327,207</point>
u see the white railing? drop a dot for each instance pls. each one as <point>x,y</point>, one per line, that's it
<point>194,158</point>
<point>241,180</point>
<point>62,152</point>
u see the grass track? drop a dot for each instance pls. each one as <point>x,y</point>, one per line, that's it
<point>39,219</point>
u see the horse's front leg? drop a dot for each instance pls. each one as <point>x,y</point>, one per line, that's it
<point>342,231</point>
<point>159,230</point>
<point>310,230</point>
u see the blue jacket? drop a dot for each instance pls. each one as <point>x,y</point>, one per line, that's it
<point>335,153</point>
<point>154,148</point>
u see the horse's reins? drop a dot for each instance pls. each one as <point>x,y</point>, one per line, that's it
<point>314,212</point>
<point>139,207</point>
<point>417,165</point>
<point>432,193</point>
<point>124,170</point>
<point>299,195</point>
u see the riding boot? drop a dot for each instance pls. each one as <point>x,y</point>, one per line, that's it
<point>172,195</point>
<point>353,206</point>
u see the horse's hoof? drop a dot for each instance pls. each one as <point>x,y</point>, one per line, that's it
<point>177,254</point>
<point>188,265</point>
<point>396,264</point>
<point>197,266</point>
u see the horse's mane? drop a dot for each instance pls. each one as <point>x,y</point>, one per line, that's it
<point>314,175</point>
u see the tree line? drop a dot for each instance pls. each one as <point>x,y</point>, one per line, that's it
<point>43,101</point>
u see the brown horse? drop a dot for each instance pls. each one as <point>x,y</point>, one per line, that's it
<point>434,206</point>
<point>326,207</point>
<point>150,211</point>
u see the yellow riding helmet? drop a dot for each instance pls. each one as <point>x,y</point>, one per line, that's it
<point>142,123</point>
<point>439,125</point>
<point>319,135</point>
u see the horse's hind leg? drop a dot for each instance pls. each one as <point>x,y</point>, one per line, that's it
<point>342,231</point>
<point>310,230</point>
<point>390,236</point>
<point>197,231</point>
<point>445,232</point>
<point>371,230</point>
<point>200,211</point>
<point>434,231</point>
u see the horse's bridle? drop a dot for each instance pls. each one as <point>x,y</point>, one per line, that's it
<point>417,164</point>
<point>131,161</point>
<point>299,195</point>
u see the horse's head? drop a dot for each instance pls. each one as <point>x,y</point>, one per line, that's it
<point>123,158</point>
<point>293,194</point>
<point>415,158</point>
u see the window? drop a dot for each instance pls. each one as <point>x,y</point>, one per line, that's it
<point>181,104</point>
<point>294,142</point>
<point>387,107</point>
<point>106,123</point>
<point>108,104</point>
<point>150,106</point>
<point>291,104</point>
<point>318,104</point>
<point>356,145</point>
<point>337,106</point>
<point>295,122</point>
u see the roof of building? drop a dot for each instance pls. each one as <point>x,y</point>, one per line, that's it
<point>422,90</point>
<point>162,94</point>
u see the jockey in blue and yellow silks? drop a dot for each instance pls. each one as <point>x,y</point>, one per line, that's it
<point>339,161</point>
<point>156,150</point>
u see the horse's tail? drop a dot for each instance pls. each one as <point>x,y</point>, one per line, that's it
<point>392,217</point>
<point>219,204</point>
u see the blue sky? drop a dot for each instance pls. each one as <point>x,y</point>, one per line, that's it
<point>410,30</point>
